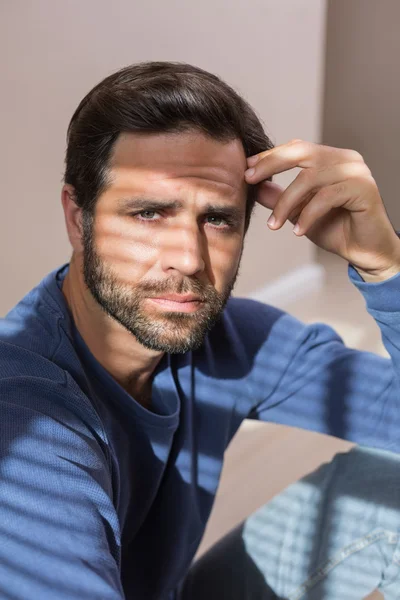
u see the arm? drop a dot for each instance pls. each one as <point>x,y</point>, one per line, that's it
<point>315,382</point>
<point>58,527</point>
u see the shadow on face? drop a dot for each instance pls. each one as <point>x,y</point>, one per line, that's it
<point>171,222</point>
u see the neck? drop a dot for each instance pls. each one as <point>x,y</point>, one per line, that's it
<point>142,395</point>
<point>113,346</point>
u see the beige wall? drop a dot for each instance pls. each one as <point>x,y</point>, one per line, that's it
<point>362,96</point>
<point>53,52</point>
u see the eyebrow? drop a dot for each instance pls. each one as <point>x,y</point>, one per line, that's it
<point>126,204</point>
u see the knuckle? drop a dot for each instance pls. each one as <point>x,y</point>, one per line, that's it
<point>365,180</point>
<point>366,171</point>
<point>359,168</point>
<point>370,179</point>
<point>355,156</point>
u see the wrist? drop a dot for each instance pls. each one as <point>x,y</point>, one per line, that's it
<point>371,277</point>
<point>377,275</point>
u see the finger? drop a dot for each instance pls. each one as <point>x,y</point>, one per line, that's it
<point>349,195</point>
<point>326,199</point>
<point>268,194</point>
<point>309,181</point>
<point>254,158</point>
<point>298,154</point>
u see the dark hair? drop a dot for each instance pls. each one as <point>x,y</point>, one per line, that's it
<point>154,97</point>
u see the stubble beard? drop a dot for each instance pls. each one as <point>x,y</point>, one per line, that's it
<point>170,332</point>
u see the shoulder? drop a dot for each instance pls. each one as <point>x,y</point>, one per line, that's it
<point>36,323</point>
<point>31,334</point>
<point>249,333</point>
<point>30,329</point>
<point>37,406</point>
<point>252,324</point>
<point>34,382</point>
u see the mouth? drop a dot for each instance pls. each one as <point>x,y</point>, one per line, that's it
<point>180,305</point>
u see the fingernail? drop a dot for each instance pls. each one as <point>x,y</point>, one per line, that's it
<point>271,221</point>
<point>252,160</point>
<point>249,172</point>
<point>296,229</point>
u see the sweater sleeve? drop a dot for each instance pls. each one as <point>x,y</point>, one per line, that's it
<point>315,382</point>
<point>59,533</point>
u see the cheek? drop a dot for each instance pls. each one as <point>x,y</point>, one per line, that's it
<point>127,252</point>
<point>225,257</point>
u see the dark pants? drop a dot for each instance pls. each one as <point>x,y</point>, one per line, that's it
<point>333,535</point>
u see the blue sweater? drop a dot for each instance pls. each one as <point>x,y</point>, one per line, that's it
<point>101,498</point>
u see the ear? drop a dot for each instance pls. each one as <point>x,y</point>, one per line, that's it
<point>73,217</point>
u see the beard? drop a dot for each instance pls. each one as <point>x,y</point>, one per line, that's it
<point>171,332</point>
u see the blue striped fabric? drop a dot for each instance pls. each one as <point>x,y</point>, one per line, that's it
<point>102,498</point>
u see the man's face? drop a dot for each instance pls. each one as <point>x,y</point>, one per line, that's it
<point>171,222</point>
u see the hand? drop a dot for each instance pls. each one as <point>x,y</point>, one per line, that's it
<point>334,201</point>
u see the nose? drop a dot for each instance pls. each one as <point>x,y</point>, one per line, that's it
<point>183,251</point>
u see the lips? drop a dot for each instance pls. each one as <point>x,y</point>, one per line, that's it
<point>187,303</point>
<point>179,298</point>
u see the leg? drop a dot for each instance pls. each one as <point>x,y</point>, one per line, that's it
<point>333,535</point>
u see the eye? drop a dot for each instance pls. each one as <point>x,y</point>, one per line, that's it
<point>217,220</point>
<point>144,215</point>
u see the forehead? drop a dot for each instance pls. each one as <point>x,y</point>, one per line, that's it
<point>166,160</point>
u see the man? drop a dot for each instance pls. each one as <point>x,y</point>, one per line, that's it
<point>126,372</point>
